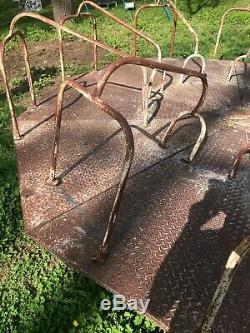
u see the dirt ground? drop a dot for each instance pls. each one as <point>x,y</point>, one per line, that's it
<point>46,54</point>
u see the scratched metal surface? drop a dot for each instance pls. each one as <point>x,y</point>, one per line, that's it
<point>177,222</point>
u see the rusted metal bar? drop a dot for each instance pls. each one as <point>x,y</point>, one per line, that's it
<point>233,262</point>
<point>237,161</point>
<point>164,67</point>
<point>135,32</point>
<point>65,29</point>
<point>59,27</point>
<point>134,37</point>
<point>123,23</point>
<point>177,15</point>
<point>184,115</point>
<point>101,256</point>
<point>185,21</point>
<point>61,45</point>
<point>148,88</point>
<point>242,57</point>
<point>94,42</point>
<point>154,65</point>
<point>8,38</point>
<point>192,56</point>
<point>173,35</point>
<point>235,9</point>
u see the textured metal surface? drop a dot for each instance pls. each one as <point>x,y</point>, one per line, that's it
<point>178,222</point>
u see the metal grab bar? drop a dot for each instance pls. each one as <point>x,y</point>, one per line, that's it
<point>232,264</point>
<point>242,57</point>
<point>177,13</point>
<point>184,115</point>
<point>94,42</point>
<point>65,29</point>
<point>238,159</point>
<point>61,45</point>
<point>235,9</point>
<point>164,67</point>
<point>8,38</point>
<point>147,82</point>
<point>123,23</point>
<point>101,256</point>
<point>58,26</point>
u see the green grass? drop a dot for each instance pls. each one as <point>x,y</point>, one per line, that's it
<point>38,293</point>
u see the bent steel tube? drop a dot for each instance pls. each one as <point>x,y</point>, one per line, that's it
<point>154,65</point>
<point>102,45</point>
<point>200,139</point>
<point>235,9</point>
<point>11,35</point>
<point>232,264</point>
<point>238,159</point>
<point>123,23</point>
<point>61,45</point>
<point>177,14</point>
<point>185,21</point>
<point>59,27</point>
<point>134,37</point>
<point>65,29</point>
<point>134,52</point>
<point>134,31</point>
<point>165,67</point>
<point>127,160</point>
<point>242,57</point>
<point>188,59</point>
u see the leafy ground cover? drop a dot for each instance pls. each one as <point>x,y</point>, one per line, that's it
<point>39,293</point>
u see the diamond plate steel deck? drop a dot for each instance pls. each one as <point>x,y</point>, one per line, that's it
<point>177,223</point>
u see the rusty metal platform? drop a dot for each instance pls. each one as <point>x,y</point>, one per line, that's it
<point>178,222</point>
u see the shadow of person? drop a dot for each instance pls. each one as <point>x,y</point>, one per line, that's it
<point>186,280</point>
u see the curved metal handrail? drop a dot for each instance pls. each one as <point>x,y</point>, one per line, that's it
<point>154,65</point>
<point>94,42</point>
<point>60,27</point>
<point>135,32</point>
<point>177,13</point>
<point>65,29</point>
<point>126,164</point>
<point>145,6</point>
<point>238,159</point>
<point>233,262</point>
<point>123,23</point>
<point>6,40</point>
<point>234,9</point>
<point>242,57</point>
<point>61,45</point>
<point>201,137</point>
<point>164,67</point>
<point>191,57</point>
